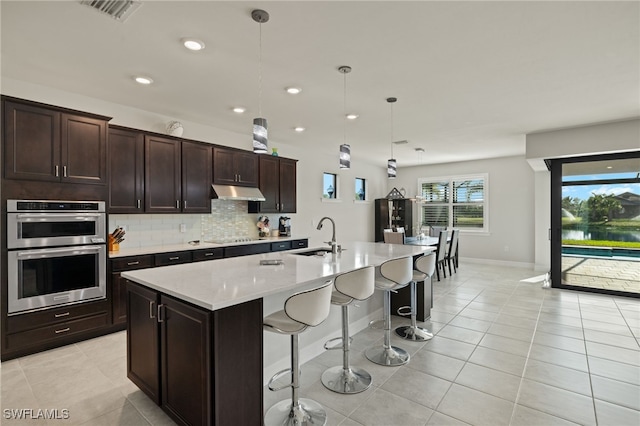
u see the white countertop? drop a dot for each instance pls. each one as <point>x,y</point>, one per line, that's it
<point>217,284</point>
<point>138,251</point>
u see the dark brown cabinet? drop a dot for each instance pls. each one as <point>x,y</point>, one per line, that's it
<point>277,184</point>
<point>392,213</point>
<point>196,177</point>
<point>235,167</point>
<point>118,284</point>
<point>126,171</point>
<point>162,179</point>
<point>47,144</point>
<point>180,354</point>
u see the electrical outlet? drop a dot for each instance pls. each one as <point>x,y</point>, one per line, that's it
<point>183,227</point>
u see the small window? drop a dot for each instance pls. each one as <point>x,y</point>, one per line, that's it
<point>361,189</point>
<point>329,186</point>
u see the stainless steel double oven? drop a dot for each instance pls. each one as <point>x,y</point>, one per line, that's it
<point>56,253</point>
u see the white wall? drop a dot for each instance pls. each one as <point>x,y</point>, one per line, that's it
<point>511,207</point>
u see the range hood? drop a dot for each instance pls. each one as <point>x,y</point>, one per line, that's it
<point>231,192</point>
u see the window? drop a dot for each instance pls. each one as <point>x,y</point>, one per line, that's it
<point>361,189</point>
<point>329,186</point>
<point>460,202</point>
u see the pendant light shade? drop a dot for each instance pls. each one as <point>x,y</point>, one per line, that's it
<point>260,136</point>
<point>392,166</point>
<point>345,156</point>
<point>345,148</point>
<point>260,140</point>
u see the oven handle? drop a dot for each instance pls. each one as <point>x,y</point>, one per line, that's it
<point>35,254</point>
<point>57,215</point>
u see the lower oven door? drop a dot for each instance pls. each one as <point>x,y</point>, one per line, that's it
<point>56,276</point>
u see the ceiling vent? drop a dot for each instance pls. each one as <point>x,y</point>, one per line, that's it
<point>119,10</point>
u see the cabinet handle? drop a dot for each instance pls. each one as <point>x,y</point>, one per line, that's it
<point>184,204</point>
<point>138,203</point>
<point>160,319</point>
<point>282,207</point>
<point>177,204</point>
<point>151,310</point>
<point>208,254</point>
<point>277,206</point>
<point>137,262</point>
<point>64,314</point>
<point>239,178</point>
<point>57,171</point>
<point>63,330</point>
<point>174,258</point>
<point>64,171</point>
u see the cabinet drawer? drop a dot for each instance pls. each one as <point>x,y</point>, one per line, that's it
<point>48,317</point>
<point>296,244</point>
<point>283,245</point>
<point>209,254</point>
<point>234,251</point>
<point>173,258</point>
<point>129,263</point>
<point>58,331</point>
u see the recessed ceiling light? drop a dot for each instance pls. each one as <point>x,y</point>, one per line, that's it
<point>144,80</point>
<point>299,129</point>
<point>352,116</point>
<point>239,110</point>
<point>293,90</point>
<point>193,44</point>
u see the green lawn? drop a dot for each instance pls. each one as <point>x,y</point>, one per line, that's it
<point>601,243</point>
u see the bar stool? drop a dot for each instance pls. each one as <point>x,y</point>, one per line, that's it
<point>349,287</point>
<point>425,266</point>
<point>396,274</point>
<point>301,311</point>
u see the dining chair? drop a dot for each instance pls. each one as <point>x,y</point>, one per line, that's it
<point>441,254</point>
<point>452,255</point>
<point>434,231</point>
<point>394,237</point>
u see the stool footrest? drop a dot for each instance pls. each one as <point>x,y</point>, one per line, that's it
<point>332,341</point>
<point>405,311</point>
<point>279,375</point>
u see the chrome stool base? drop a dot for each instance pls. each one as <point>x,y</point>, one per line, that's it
<point>351,380</point>
<point>306,413</point>
<point>416,334</point>
<point>391,356</point>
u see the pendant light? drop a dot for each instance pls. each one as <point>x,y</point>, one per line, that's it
<point>391,163</point>
<point>345,148</point>
<point>260,142</point>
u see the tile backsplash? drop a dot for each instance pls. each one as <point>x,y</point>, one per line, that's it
<point>227,219</point>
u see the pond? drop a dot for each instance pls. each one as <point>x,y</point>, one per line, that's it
<point>609,234</point>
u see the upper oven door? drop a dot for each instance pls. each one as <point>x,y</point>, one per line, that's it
<point>25,230</point>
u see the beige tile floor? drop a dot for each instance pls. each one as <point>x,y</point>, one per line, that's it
<point>505,352</point>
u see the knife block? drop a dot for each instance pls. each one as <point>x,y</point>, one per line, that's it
<point>111,244</point>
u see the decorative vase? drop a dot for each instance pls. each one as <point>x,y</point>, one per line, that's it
<point>175,128</point>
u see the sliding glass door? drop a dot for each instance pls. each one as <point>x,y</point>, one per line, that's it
<point>596,223</point>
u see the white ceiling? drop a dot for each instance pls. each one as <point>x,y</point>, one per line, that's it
<point>471,78</point>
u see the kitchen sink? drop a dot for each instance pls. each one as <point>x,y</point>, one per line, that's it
<point>314,252</point>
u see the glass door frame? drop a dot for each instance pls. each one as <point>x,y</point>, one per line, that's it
<point>555,234</point>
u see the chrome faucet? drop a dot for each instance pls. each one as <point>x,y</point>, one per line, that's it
<point>332,243</point>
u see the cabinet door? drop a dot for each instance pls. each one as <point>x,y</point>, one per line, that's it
<point>287,183</point>
<point>186,361</point>
<point>269,184</point>
<point>246,165</point>
<point>162,180</point>
<point>84,150</point>
<point>119,298</point>
<point>126,171</point>
<point>224,172</point>
<point>196,177</point>
<point>32,142</point>
<point>143,355</point>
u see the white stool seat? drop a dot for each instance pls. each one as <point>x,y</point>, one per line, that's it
<point>279,322</point>
<point>419,276</point>
<point>338,298</point>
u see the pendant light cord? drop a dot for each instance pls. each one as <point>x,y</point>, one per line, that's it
<point>392,130</point>
<point>344,118</point>
<point>260,74</point>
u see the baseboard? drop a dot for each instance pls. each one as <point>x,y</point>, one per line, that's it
<point>496,262</point>
<point>311,351</point>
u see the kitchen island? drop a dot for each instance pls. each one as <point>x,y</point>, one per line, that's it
<point>194,331</point>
